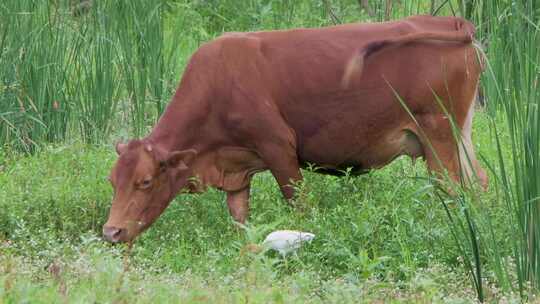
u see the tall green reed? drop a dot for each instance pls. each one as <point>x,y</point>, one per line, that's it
<point>139,34</point>
<point>66,75</point>
<point>511,32</point>
<point>34,108</point>
<point>94,86</point>
<point>519,99</point>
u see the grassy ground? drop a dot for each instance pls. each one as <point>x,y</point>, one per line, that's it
<point>380,236</point>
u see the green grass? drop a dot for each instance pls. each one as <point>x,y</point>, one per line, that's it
<point>97,275</point>
<point>378,235</point>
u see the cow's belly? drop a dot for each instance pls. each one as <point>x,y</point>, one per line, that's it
<point>362,151</point>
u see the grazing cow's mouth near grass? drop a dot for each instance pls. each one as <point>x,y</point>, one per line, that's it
<point>126,234</point>
<point>250,102</point>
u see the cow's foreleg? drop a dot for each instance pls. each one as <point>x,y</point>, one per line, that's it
<point>286,170</point>
<point>282,161</point>
<point>287,177</point>
<point>238,203</point>
<point>274,141</point>
<point>277,149</point>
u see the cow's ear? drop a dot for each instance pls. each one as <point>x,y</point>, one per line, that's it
<point>181,159</point>
<point>121,148</point>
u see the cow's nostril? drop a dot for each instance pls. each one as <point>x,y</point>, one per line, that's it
<point>112,234</point>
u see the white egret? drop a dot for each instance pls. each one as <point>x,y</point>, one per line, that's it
<point>287,241</point>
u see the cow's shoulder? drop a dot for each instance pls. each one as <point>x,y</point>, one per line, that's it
<point>239,42</point>
<point>241,55</point>
<point>234,34</point>
<point>219,57</point>
<point>226,42</point>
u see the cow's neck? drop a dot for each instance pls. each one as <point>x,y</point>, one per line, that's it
<point>168,135</point>
<point>180,125</point>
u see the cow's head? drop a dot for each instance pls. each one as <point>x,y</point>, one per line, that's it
<point>145,179</point>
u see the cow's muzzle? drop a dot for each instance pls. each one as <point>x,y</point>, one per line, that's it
<point>113,234</point>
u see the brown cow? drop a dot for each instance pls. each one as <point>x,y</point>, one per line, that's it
<point>277,100</point>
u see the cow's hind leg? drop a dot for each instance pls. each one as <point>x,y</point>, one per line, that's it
<point>441,154</point>
<point>470,168</point>
<point>454,153</point>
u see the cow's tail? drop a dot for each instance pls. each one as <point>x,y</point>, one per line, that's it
<point>356,63</point>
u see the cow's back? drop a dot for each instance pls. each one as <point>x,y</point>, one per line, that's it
<point>301,72</point>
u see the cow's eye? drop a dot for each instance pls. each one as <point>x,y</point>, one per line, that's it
<point>145,183</point>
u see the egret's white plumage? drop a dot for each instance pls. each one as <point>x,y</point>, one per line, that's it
<point>287,241</point>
